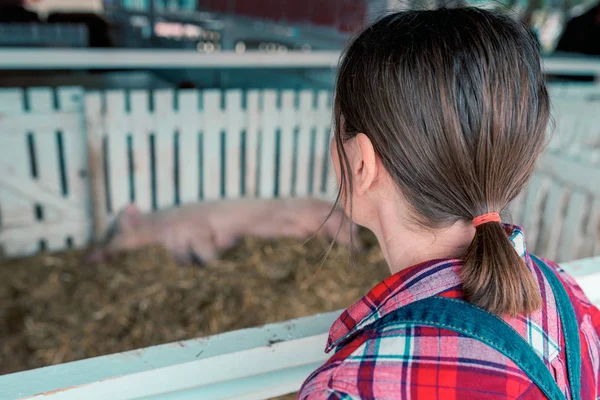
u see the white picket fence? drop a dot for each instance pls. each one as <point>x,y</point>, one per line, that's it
<point>560,208</point>
<point>69,160</point>
<point>44,190</point>
<point>156,149</point>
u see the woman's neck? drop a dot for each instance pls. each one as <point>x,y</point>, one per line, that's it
<point>405,244</point>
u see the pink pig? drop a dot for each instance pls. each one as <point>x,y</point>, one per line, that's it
<point>198,233</point>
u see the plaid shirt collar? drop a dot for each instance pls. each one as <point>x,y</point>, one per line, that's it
<point>430,278</point>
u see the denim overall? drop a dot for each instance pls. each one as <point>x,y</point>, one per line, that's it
<point>474,322</point>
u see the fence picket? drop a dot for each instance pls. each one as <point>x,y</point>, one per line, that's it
<point>118,165</point>
<point>46,141</point>
<point>270,121</point>
<point>286,148</point>
<point>515,208</point>
<point>253,98</point>
<point>570,240</point>
<point>321,158</point>
<point>15,210</point>
<point>590,237</point>
<point>75,150</point>
<point>41,102</point>
<point>14,159</point>
<point>164,148</point>
<point>11,101</point>
<point>552,220</point>
<point>189,160</point>
<point>331,189</point>
<point>566,123</point>
<point>141,128</point>
<point>306,116</point>
<point>95,129</point>
<point>211,145</point>
<point>234,124</point>
<point>76,163</point>
<point>70,99</point>
<point>594,228</point>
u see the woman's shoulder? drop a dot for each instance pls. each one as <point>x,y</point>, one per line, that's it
<point>400,361</point>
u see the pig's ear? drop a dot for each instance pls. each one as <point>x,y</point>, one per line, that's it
<point>130,218</point>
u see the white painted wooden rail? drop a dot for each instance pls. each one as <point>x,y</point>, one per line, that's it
<point>256,363</point>
<point>74,59</point>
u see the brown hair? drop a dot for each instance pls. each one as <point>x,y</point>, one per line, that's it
<point>455,104</point>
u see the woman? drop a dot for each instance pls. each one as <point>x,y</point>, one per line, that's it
<point>440,117</point>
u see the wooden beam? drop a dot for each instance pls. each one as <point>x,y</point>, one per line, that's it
<point>94,129</point>
<point>225,366</point>
<point>74,59</point>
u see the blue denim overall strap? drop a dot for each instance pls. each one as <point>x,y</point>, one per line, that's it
<point>469,320</point>
<point>570,327</point>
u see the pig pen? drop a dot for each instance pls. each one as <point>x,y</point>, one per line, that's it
<point>71,159</point>
<point>55,309</point>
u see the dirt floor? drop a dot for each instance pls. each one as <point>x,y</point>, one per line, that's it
<point>55,309</point>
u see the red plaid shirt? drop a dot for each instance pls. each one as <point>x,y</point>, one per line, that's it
<point>421,362</point>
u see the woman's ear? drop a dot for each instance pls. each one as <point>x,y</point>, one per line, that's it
<point>366,164</point>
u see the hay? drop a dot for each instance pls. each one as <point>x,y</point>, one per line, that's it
<point>54,309</point>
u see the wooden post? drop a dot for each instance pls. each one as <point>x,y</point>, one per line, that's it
<point>95,130</point>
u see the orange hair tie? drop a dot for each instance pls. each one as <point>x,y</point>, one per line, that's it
<point>485,218</point>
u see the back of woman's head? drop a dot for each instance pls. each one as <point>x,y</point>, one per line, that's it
<point>455,104</point>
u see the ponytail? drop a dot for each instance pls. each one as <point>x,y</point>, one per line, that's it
<point>495,277</point>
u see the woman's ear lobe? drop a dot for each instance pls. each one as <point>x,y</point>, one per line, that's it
<point>366,174</point>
